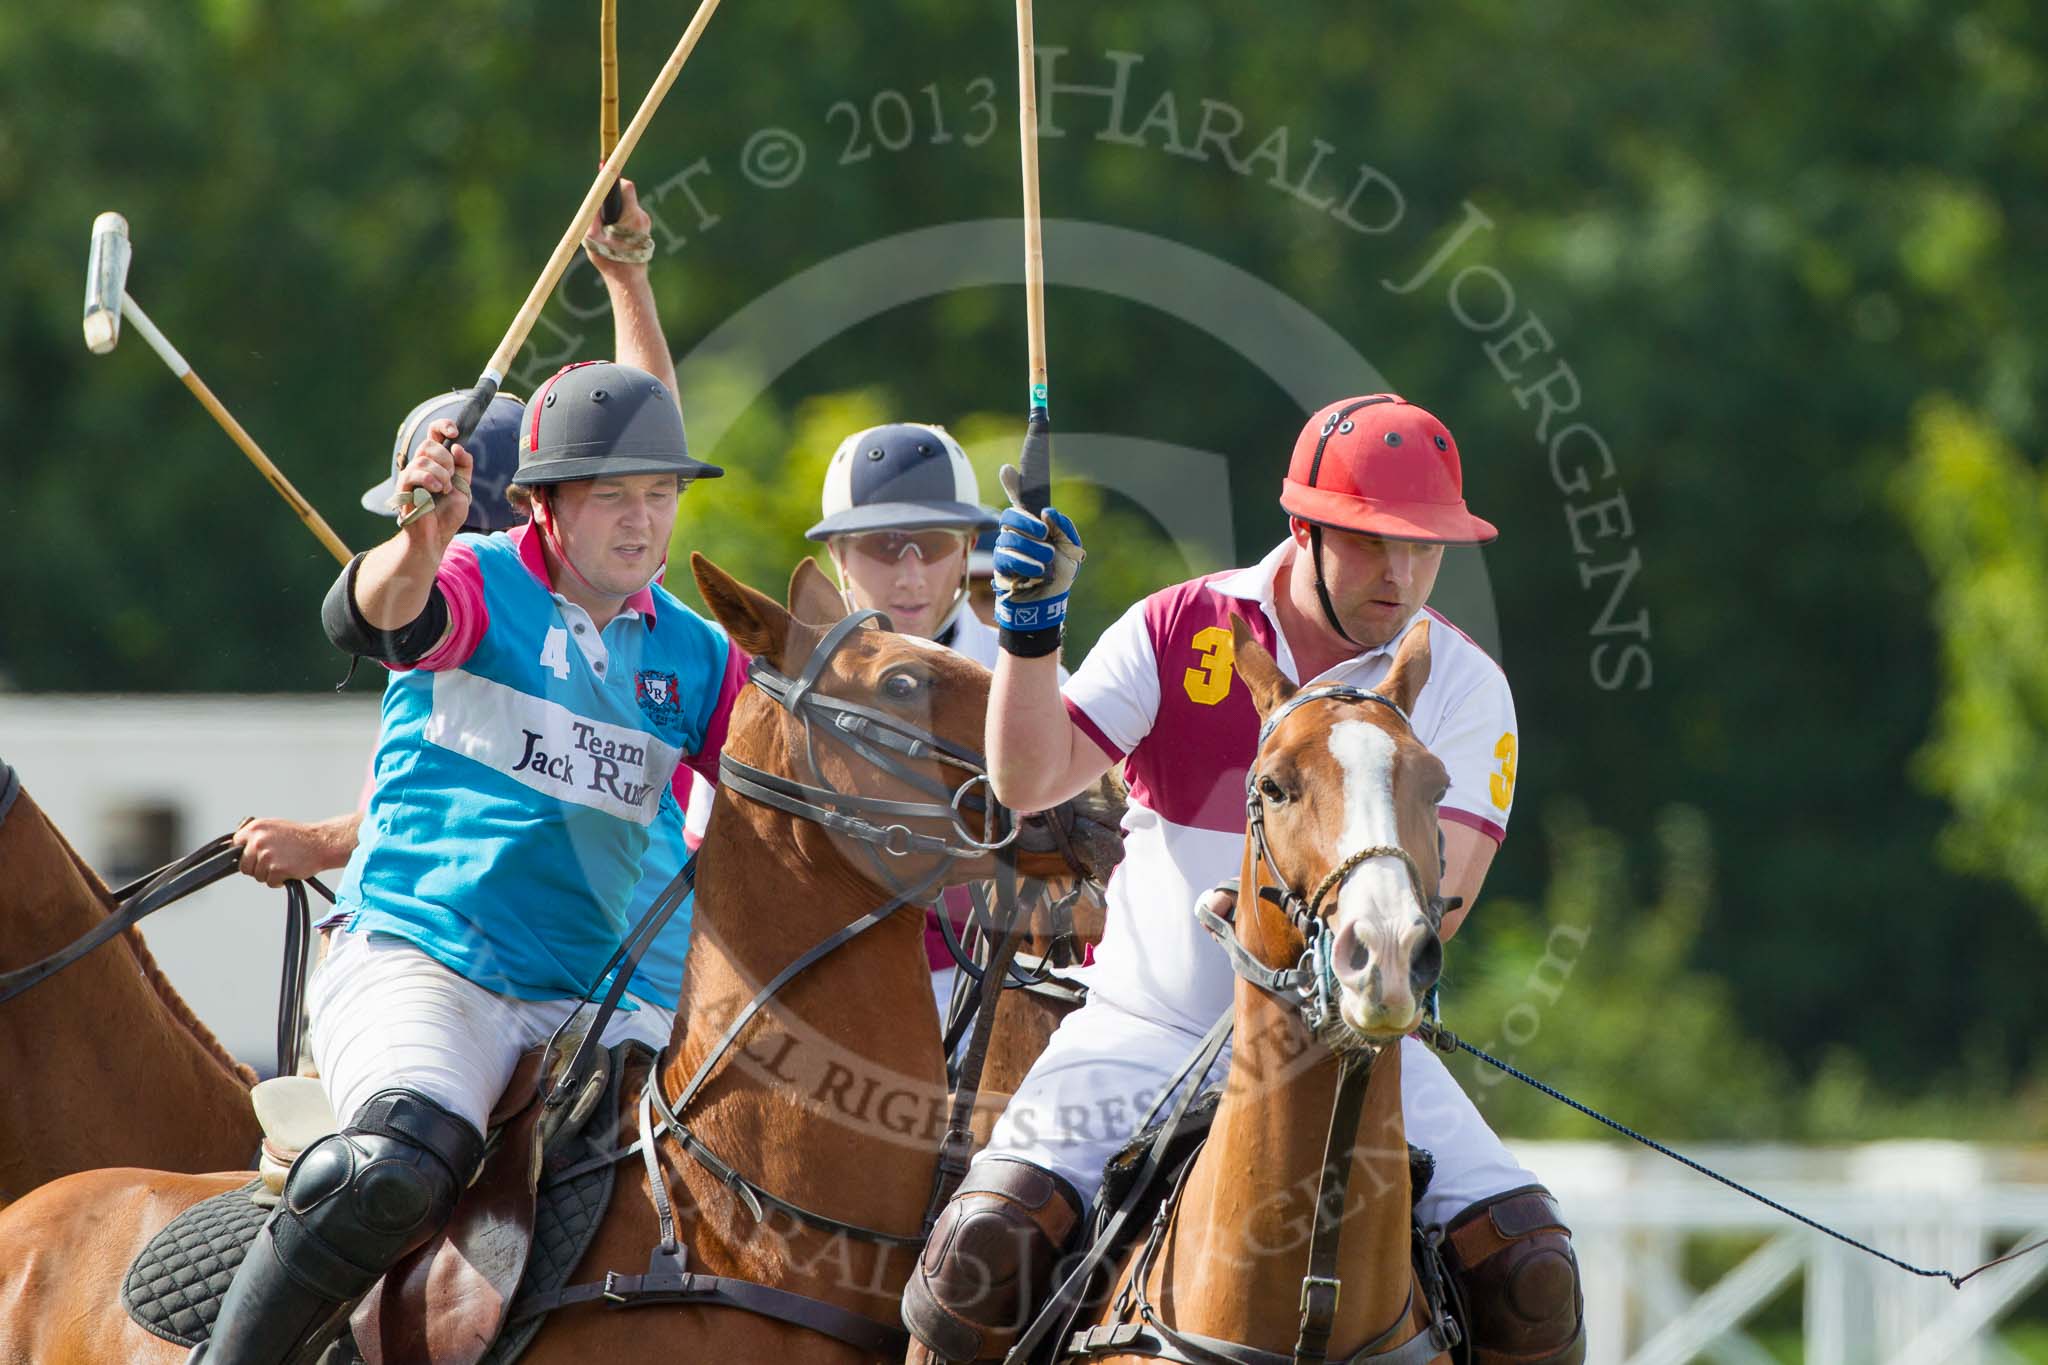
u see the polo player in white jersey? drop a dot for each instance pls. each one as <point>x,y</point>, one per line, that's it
<point>1374,492</point>
<point>902,509</point>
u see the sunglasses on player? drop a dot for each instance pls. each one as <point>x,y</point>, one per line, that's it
<point>889,547</point>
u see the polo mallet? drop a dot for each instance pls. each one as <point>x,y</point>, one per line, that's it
<point>1034,463</point>
<point>107,300</point>
<point>608,103</point>
<point>529,312</point>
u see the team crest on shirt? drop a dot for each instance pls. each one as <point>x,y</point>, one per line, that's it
<point>658,695</point>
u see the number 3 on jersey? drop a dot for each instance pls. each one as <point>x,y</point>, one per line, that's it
<point>1501,785</point>
<point>1215,654</point>
<point>554,652</point>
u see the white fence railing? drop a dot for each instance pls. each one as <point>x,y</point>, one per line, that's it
<point>1641,1221</point>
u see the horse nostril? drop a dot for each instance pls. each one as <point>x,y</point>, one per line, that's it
<point>1349,957</point>
<point>1428,964</point>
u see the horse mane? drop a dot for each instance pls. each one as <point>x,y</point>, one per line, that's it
<point>166,994</point>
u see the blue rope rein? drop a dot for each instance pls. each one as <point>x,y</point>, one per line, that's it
<point>1449,1043</point>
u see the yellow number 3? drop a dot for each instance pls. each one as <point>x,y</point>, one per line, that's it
<point>1501,786</point>
<point>1216,652</point>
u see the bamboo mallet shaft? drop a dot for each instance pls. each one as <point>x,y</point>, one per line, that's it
<point>182,368</point>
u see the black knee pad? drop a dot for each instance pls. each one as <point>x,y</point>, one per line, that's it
<point>358,1200</point>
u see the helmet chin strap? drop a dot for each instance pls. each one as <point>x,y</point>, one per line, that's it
<point>544,518</point>
<point>1315,540</point>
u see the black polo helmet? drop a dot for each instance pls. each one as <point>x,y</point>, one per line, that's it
<point>493,446</point>
<point>905,476</point>
<point>600,419</point>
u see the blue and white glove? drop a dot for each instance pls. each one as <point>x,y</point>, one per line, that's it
<point>1037,558</point>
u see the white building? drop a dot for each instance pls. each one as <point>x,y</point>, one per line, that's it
<point>136,781</point>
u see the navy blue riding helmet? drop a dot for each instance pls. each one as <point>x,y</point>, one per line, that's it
<point>494,447</point>
<point>904,476</point>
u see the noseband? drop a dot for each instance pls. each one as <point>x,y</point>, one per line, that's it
<point>883,741</point>
<point>1311,985</point>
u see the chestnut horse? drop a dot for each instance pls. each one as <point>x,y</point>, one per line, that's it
<point>1063,918</point>
<point>1257,1235</point>
<point>832,1097</point>
<point>105,1065</point>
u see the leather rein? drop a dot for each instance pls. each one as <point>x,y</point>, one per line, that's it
<point>1309,990</point>
<point>213,861</point>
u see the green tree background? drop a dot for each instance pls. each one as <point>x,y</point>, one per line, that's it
<point>1790,255</point>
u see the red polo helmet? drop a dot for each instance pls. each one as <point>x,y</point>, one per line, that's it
<point>1380,465</point>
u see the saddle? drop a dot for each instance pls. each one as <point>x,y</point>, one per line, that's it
<point>519,1229</point>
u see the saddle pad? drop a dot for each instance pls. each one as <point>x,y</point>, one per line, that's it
<point>564,1225</point>
<point>570,1211</point>
<point>174,1288</point>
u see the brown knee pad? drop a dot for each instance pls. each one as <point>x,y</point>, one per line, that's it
<point>990,1259</point>
<point>1512,1259</point>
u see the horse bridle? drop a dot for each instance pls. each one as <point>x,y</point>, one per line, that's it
<point>1310,986</point>
<point>884,741</point>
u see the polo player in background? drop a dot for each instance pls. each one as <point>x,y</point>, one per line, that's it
<point>545,691</point>
<point>1374,492</point>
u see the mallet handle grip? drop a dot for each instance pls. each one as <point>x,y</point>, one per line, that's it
<point>180,367</point>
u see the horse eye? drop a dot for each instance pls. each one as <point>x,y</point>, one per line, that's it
<point>1270,789</point>
<point>899,686</point>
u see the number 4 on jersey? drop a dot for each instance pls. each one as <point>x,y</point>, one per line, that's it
<point>554,652</point>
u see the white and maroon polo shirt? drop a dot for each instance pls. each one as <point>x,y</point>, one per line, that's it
<point>1159,689</point>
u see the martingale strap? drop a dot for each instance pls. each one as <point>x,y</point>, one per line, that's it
<point>1320,1287</point>
<point>752,1195</point>
<point>956,1148</point>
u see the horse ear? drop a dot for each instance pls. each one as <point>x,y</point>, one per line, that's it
<point>756,622</point>
<point>1262,676</point>
<point>1404,681</point>
<point>812,598</point>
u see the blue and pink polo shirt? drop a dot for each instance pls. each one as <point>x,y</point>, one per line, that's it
<point>526,768</point>
<point>1159,690</point>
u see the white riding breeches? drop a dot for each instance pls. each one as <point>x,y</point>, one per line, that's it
<point>1105,1067</point>
<point>385,1014</point>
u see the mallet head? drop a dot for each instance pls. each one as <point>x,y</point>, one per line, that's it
<point>106,275</point>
